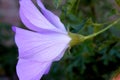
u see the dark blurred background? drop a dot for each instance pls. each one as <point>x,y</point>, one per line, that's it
<point>94,59</point>
<point>8,51</point>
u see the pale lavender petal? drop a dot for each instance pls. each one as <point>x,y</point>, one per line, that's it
<point>31,70</point>
<point>61,54</point>
<point>32,26</point>
<point>33,19</point>
<point>48,69</point>
<point>40,47</point>
<point>50,53</point>
<point>51,17</point>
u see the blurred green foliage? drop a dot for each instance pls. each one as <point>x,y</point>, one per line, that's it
<point>118,2</point>
<point>8,52</point>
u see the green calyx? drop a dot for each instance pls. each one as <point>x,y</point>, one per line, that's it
<point>77,38</point>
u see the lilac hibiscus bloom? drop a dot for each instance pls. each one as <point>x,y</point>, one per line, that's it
<point>45,42</point>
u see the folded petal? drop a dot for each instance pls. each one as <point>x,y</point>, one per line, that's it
<point>33,19</point>
<point>51,17</point>
<point>31,70</point>
<point>40,47</point>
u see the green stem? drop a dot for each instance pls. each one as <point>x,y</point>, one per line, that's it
<point>76,10</point>
<point>101,31</point>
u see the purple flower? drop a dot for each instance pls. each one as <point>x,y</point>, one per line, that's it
<point>45,42</point>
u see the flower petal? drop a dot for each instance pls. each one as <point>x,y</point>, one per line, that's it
<point>40,47</point>
<point>48,69</point>
<point>33,19</point>
<point>51,17</point>
<point>61,54</point>
<point>31,70</point>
